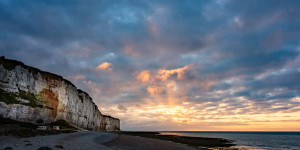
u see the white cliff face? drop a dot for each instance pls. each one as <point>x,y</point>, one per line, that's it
<point>31,95</point>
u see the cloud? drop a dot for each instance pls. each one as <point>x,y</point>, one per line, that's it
<point>176,65</point>
<point>238,21</point>
<point>152,90</point>
<point>94,91</point>
<point>122,108</point>
<point>144,76</point>
<point>129,50</point>
<point>77,77</point>
<point>104,66</point>
<point>164,74</point>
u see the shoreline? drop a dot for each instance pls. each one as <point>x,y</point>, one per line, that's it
<point>195,142</point>
<point>123,140</point>
<point>102,140</point>
<point>130,142</point>
<point>93,140</point>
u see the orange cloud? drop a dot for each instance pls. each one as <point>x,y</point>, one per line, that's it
<point>104,66</point>
<point>79,77</point>
<point>152,90</point>
<point>172,86</point>
<point>164,74</point>
<point>202,116</point>
<point>157,83</point>
<point>144,76</point>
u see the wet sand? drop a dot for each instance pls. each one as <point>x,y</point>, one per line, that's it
<point>196,142</point>
<point>128,142</point>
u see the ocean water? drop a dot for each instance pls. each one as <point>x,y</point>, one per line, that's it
<point>251,140</point>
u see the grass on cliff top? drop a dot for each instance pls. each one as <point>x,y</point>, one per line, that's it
<point>11,64</point>
<point>11,98</point>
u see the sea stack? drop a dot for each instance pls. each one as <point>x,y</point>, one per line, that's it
<point>28,94</point>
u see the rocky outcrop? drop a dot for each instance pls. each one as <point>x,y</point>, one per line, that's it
<point>30,95</point>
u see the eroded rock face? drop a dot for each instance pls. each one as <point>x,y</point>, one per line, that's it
<point>31,95</point>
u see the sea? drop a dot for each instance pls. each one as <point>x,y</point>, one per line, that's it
<point>250,140</point>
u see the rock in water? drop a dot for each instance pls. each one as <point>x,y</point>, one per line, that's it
<point>30,95</point>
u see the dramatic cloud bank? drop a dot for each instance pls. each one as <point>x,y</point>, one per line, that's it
<point>168,65</point>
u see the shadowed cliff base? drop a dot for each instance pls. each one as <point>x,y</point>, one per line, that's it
<point>19,129</point>
<point>196,142</point>
<point>86,140</point>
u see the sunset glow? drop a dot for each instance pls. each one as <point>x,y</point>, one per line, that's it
<point>219,65</point>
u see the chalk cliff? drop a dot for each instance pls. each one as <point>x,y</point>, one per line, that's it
<point>30,95</point>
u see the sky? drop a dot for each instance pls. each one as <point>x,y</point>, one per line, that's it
<point>209,65</point>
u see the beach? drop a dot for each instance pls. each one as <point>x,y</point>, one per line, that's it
<point>92,140</point>
<point>89,140</point>
<point>128,142</point>
<point>19,136</point>
<point>67,141</point>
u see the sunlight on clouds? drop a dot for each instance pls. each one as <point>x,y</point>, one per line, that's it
<point>172,86</point>
<point>159,82</point>
<point>144,76</point>
<point>238,114</point>
<point>175,113</point>
<point>152,90</point>
<point>76,77</point>
<point>296,99</point>
<point>104,66</point>
<point>197,119</point>
<point>161,74</point>
<point>232,69</point>
<point>164,74</point>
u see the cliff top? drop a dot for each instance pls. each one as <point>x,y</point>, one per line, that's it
<point>10,64</point>
<point>111,117</point>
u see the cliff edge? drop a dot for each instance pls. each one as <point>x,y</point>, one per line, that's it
<point>30,95</point>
